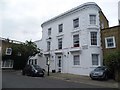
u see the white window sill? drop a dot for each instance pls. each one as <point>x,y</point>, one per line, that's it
<point>94,66</point>
<point>110,47</point>
<point>76,66</point>
<point>60,34</point>
<point>93,26</point>
<point>77,28</point>
<point>94,46</point>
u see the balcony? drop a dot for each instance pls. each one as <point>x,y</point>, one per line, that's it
<point>46,53</point>
<point>75,49</point>
<point>58,51</point>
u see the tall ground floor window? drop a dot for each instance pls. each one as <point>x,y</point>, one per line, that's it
<point>7,64</point>
<point>95,59</point>
<point>76,60</point>
<point>32,62</point>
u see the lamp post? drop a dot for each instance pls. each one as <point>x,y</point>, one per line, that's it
<point>48,66</point>
<point>48,62</point>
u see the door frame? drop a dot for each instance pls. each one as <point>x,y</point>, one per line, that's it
<point>59,69</point>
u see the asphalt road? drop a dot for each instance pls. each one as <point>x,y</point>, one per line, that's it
<point>14,80</point>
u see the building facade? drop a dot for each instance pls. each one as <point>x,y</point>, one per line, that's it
<point>71,42</point>
<point>110,39</point>
<point>6,50</point>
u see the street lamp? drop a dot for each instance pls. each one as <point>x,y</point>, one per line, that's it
<point>48,66</point>
<point>48,62</point>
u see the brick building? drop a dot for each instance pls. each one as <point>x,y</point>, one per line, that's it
<point>110,39</point>
<point>5,49</point>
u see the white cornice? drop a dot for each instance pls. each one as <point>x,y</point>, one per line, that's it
<point>76,9</point>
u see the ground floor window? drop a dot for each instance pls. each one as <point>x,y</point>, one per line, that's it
<point>7,64</point>
<point>33,61</point>
<point>76,60</point>
<point>95,59</point>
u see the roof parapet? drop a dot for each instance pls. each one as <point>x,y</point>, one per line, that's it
<point>71,11</point>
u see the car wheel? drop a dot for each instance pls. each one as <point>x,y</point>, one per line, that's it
<point>23,73</point>
<point>105,77</point>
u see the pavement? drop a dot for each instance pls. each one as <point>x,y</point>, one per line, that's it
<point>85,80</point>
<point>80,79</point>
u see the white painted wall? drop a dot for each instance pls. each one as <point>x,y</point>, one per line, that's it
<point>84,32</point>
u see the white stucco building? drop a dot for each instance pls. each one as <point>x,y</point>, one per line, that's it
<point>71,41</point>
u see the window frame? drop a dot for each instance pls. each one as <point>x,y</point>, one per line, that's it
<point>60,42</point>
<point>75,23</point>
<point>48,45</point>
<point>92,20</point>
<point>94,39</point>
<point>8,53</point>
<point>74,41</point>
<point>76,62</point>
<point>49,31</point>
<point>114,43</point>
<point>98,60</point>
<point>60,28</point>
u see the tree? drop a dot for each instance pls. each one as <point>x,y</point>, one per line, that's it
<point>32,48</point>
<point>21,53</point>
<point>112,60</point>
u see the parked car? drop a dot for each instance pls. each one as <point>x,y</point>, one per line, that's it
<point>100,72</point>
<point>33,70</point>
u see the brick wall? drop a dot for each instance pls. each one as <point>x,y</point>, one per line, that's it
<point>108,32</point>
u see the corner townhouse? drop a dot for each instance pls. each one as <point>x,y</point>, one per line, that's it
<point>71,42</point>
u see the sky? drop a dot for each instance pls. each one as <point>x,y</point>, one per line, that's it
<point>21,19</point>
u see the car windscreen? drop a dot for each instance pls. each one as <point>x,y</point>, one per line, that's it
<point>37,67</point>
<point>99,68</point>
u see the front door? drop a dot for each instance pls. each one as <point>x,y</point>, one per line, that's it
<point>59,63</point>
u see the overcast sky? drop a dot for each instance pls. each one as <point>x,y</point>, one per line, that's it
<point>21,19</point>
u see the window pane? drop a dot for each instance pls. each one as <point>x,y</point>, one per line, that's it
<point>60,27</point>
<point>48,45</point>
<point>8,51</point>
<point>76,60</point>
<point>76,40</point>
<point>76,23</point>
<point>110,42</point>
<point>94,59</point>
<point>92,19</point>
<point>93,38</point>
<point>60,43</point>
<point>49,31</point>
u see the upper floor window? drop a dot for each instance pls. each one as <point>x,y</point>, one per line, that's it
<point>48,45</point>
<point>76,23</point>
<point>60,27</point>
<point>60,43</point>
<point>76,60</point>
<point>49,31</point>
<point>110,42</point>
<point>95,59</point>
<point>76,40</point>
<point>93,19</point>
<point>93,38</point>
<point>8,51</point>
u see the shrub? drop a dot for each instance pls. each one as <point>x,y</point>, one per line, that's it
<point>112,60</point>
